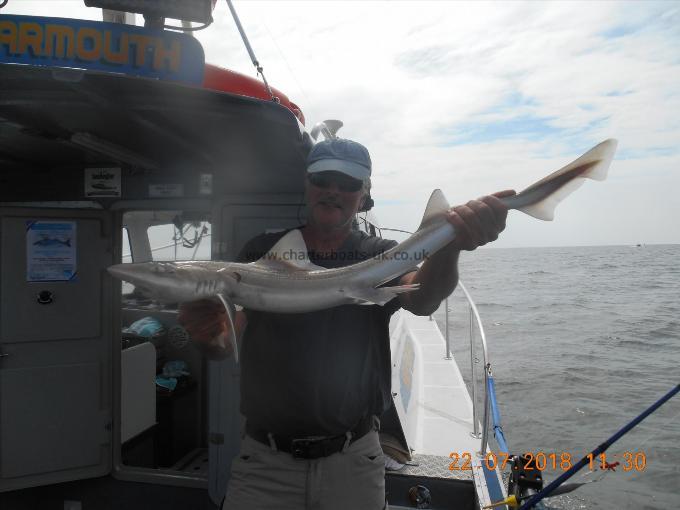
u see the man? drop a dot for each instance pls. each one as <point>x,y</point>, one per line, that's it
<point>313,384</point>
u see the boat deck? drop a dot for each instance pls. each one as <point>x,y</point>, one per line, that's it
<point>441,413</point>
<point>437,412</point>
<point>433,466</point>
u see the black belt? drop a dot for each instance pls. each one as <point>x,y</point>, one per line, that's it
<point>311,447</point>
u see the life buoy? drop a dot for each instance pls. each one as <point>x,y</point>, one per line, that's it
<point>226,80</point>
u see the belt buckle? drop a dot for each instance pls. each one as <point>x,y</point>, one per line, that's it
<point>306,448</point>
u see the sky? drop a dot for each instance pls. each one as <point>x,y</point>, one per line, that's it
<point>479,97</point>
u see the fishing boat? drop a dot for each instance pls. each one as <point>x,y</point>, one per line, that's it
<point>121,139</point>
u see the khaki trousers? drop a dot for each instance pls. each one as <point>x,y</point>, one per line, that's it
<point>265,479</point>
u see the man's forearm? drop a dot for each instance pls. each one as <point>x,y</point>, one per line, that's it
<point>438,277</point>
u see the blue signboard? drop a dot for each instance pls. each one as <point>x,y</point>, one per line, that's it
<point>50,251</point>
<point>93,45</point>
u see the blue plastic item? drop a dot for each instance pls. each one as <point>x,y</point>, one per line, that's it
<point>169,383</point>
<point>147,327</point>
<point>175,368</point>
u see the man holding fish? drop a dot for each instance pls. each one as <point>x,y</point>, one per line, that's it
<point>316,367</point>
<point>313,384</point>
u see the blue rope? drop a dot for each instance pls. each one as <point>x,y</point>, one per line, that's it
<point>496,415</point>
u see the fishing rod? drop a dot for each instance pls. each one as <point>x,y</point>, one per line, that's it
<point>555,484</point>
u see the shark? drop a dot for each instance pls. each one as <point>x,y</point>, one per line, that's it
<point>285,280</point>
<point>47,241</point>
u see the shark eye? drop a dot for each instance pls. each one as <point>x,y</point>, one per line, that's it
<point>236,276</point>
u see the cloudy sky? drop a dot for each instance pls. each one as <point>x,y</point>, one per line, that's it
<point>477,97</point>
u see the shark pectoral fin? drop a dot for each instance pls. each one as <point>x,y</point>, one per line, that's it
<point>379,296</point>
<point>232,325</point>
<point>400,289</point>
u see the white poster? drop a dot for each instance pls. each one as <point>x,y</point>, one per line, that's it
<point>50,251</point>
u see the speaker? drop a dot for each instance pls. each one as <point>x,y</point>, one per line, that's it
<point>368,204</point>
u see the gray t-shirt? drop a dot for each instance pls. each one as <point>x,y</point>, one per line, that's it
<point>317,373</point>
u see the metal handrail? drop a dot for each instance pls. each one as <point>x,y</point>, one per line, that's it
<point>487,367</point>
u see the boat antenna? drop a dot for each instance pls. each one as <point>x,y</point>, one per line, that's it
<point>597,451</point>
<point>253,58</point>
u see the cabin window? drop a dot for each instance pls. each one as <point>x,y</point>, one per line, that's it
<point>127,250</point>
<point>163,375</point>
<point>164,236</point>
<point>190,241</point>
<point>127,257</point>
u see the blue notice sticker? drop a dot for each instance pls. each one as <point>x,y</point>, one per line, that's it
<point>51,251</point>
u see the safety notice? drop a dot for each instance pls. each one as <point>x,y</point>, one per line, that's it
<point>50,251</point>
<point>102,182</point>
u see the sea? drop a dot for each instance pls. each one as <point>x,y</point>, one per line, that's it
<point>581,340</point>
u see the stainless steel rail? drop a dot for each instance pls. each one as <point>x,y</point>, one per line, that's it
<point>474,314</point>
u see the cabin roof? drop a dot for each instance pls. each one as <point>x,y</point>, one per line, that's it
<point>152,130</point>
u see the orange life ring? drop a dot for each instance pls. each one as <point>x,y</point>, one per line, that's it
<point>225,80</point>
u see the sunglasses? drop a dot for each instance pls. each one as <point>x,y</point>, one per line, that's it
<point>345,183</point>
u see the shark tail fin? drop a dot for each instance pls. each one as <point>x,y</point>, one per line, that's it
<point>436,207</point>
<point>541,198</point>
<point>544,209</point>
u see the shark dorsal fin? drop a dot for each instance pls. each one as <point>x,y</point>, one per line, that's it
<point>436,207</point>
<point>290,252</point>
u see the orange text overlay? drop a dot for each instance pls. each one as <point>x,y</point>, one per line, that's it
<point>541,461</point>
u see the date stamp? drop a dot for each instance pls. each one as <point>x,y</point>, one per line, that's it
<point>541,461</point>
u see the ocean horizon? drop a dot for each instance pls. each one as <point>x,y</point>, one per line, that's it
<point>494,246</point>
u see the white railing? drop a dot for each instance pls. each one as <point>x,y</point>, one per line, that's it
<point>474,318</point>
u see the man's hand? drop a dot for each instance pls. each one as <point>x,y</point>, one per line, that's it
<point>208,326</point>
<point>479,221</point>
